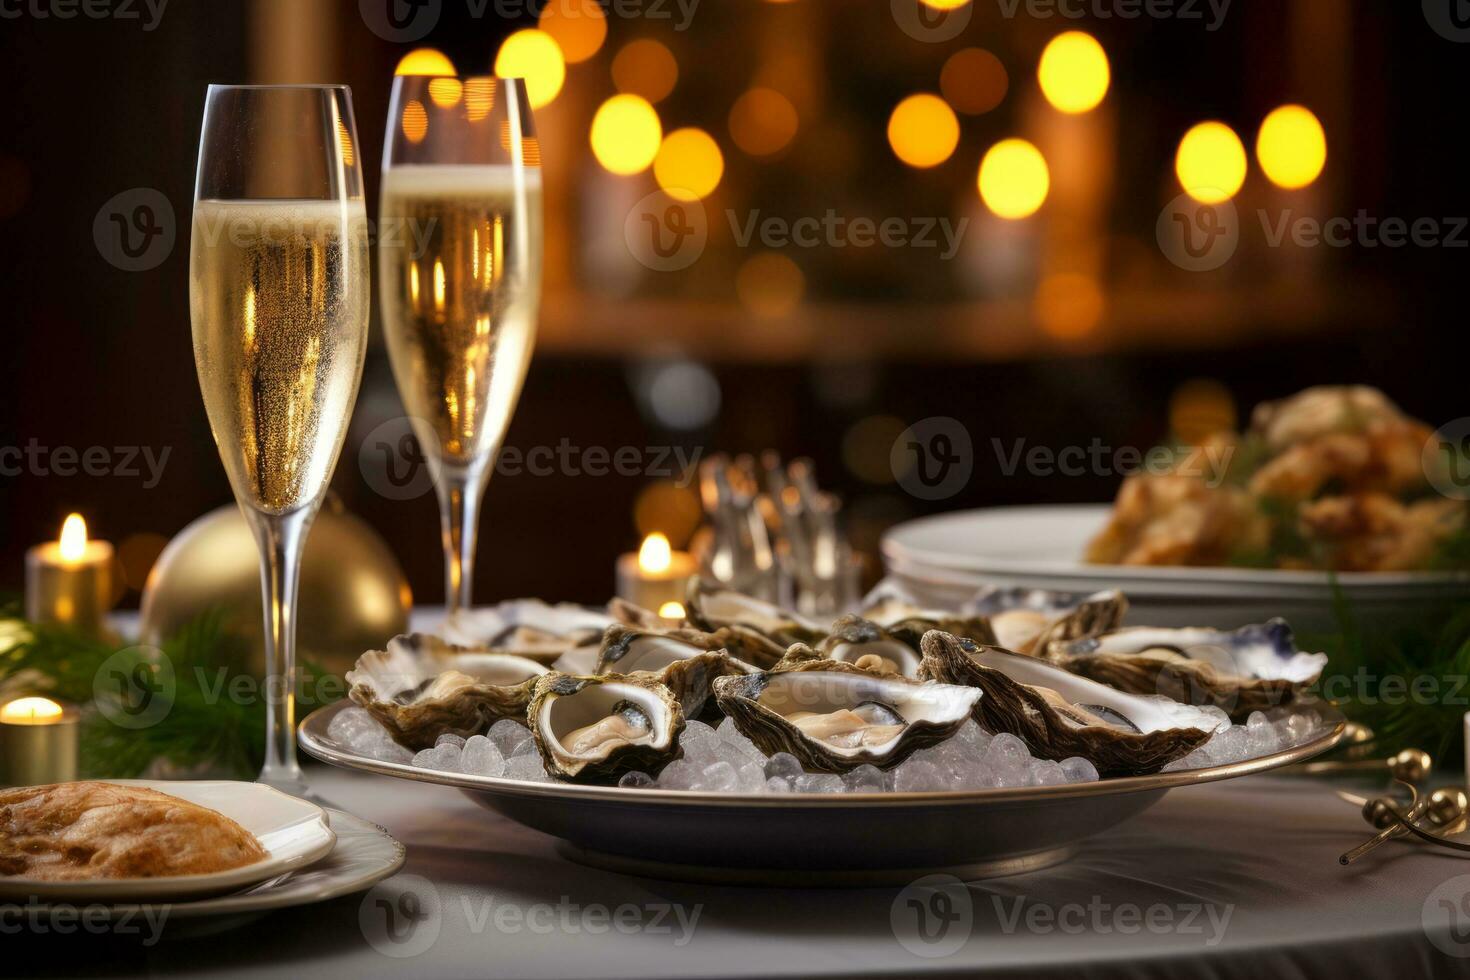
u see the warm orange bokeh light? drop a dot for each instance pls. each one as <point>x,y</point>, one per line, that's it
<point>1014,179</point>
<point>689,164</point>
<point>1210,163</point>
<point>1074,72</point>
<point>535,56</point>
<point>647,68</point>
<point>973,81</point>
<point>626,134</point>
<point>763,122</point>
<point>445,92</point>
<point>578,26</point>
<point>655,555</point>
<point>923,130</point>
<point>769,284</point>
<point>1291,147</point>
<point>1068,305</point>
<point>415,121</point>
<point>479,97</point>
<point>425,61</point>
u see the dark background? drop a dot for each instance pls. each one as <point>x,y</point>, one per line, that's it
<point>101,357</point>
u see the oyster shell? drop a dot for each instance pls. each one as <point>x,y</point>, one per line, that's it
<point>1249,669</point>
<point>710,608</point>
<point>834,716</point>
<point>420,687</point>
<point>591,729</point>
<point>1059,714</point>
<point>1028,620</point>
<point>685,661</point>
<point>858,641</point>
<point>528,628</point>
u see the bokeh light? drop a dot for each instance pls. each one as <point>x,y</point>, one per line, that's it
<point>578,26</point>
<point>1199,409</point>
<point>762,122</point>
<point>923,130</point>
<point>1068,305</point>
<point>667,508</point>
<point>867,447</point>
<point>973,81</point>
<point>425,61</point>
<point>1291,147</point>
<point>479,97</point>
<point>769,284</point>
<point>626,134</point>
<point>1014,179</point>
<point>945,4</point>
<point>535,56</point>
<point>689,164</point>
<point>645,67</point>
<point>1074,72</point>
<point>415,121</point>
<point>1210,163</point>
<point>445,92</point>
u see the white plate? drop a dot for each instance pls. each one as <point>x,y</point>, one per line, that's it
<point>947,557</point>
<point>293,832</point>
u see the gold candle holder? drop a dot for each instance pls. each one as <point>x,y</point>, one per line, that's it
<point>69,582</point>
<point>38,742</point>
<point>656,578</point>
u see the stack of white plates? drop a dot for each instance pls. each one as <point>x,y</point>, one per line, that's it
<point>944,560</point>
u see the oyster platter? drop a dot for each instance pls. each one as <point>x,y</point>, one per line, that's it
<point>748,742</point>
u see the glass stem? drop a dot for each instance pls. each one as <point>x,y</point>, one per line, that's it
<point>281,540</point>
<point>460,491</point>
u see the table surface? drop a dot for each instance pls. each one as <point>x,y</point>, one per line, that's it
<point>1234,878</point>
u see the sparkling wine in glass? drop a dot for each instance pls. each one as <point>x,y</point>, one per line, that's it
<point>278,298</point>
<point>459,275</point>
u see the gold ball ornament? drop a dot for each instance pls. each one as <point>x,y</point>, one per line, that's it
<point>353,594</point>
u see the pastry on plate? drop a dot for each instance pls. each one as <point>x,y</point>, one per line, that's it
<point>94,830</point>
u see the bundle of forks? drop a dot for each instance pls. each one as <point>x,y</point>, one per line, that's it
<point>773,533</point>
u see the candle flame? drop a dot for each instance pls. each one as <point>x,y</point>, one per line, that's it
<point>655,555</point>
<point>73,538</point>
<point>671,610</point>
<point>30,711</point>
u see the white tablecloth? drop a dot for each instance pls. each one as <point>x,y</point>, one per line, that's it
<point>1234,879</point>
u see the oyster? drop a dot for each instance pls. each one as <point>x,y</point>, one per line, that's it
<point>1249,669</point>
<point>685,661</point>
<point>857,641</point>
<point>835,716</point>
<point>591,729</point>
<point>1059,714</point>
<point>1028,620</point>
<point>421,687</point>
<point>528,628</point>
<point>710,608</point>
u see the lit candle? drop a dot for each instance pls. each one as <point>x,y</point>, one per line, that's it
<point>69,582</point>
<point>38,742</point>
<point>656,577</point>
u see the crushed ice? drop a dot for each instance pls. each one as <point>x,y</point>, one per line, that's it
<point>721,760</point>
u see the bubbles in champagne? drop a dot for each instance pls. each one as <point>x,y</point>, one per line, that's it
<point>459,265</point>
<point>278,293</point>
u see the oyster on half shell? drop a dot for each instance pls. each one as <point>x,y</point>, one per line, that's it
<point>1059,714</point>
<point>858,641</point>
<point>685,661</point>
<point>529,628</point>
<point>420,687</point>
<point>591,729</point>
<point>1249,669</point>
<point>1029,620</point>
<point>709,608</point>
<point>834,716</point>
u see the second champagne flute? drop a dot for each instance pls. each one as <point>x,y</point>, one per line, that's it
<point>459,266</point>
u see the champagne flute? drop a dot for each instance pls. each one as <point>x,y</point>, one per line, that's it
<point>278,297</point>
<point>459,272</point>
